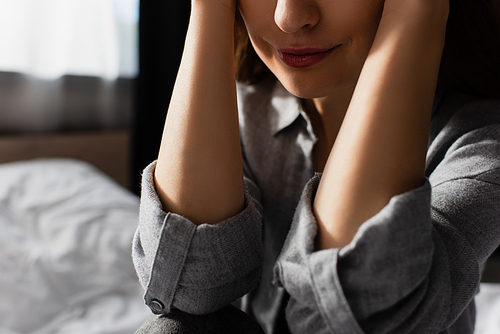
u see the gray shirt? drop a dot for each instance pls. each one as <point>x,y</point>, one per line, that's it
<point>412,268</point>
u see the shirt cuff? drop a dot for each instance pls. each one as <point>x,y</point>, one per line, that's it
<point>197,269</point>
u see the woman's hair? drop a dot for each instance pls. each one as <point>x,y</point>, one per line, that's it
<point>249,67</point>
<point>471,55</point>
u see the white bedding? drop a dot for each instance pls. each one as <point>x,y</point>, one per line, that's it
<point>65,264</point>
<point>488,309</point>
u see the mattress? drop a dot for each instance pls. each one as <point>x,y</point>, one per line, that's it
<point>65,244</point>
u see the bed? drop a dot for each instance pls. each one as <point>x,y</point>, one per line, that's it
<point>66,229</point>
<point>67,221</point>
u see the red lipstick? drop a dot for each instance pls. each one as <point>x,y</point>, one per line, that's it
<point>302,58</point>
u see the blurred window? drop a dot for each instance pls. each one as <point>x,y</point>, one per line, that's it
<point>51,38</point>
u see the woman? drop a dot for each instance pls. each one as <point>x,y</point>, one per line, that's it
<point>390,234</point>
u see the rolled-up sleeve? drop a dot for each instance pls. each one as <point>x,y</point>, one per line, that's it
<point>389,260</point>
<point>197,269</point>
<point>412,268</point>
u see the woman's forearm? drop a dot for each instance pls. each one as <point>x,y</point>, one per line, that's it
<point>199,171</point>
<point>381,147</point>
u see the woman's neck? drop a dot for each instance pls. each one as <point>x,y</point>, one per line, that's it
<point>326,115</point>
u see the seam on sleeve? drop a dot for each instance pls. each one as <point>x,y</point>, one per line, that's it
<point>334,310</point>
<point>470,177</point>
<point>435,211</point>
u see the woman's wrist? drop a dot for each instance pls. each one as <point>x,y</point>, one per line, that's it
<point>405,9</point>
<point>219,5</point>
<point>424,19</point>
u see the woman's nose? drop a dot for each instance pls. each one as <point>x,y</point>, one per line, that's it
<point>293,15</point>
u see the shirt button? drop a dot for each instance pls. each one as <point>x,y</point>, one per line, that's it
<point>156,306</point>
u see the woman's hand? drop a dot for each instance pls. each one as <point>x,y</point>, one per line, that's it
<point>381,147</point>
<point>199,173</point>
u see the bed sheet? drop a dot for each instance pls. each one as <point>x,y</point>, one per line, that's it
<point>488,309</point>
<point>65,244</point>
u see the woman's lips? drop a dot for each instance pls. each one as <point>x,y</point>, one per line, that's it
<point>302,58</point>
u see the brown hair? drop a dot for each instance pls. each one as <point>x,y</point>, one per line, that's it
<point>471,56</point>
<point>249,67</point>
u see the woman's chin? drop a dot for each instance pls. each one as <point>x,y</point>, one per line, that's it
<point>317,87</point>
<point>303,90</point>
<point>307,91</point>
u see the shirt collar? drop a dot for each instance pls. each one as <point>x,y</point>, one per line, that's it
<point>283,109</point>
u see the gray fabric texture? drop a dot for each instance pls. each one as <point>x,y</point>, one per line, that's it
<point>412,268</point>
<point>228,320</point>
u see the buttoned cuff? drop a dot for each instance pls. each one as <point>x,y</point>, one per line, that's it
<point>197,269</point>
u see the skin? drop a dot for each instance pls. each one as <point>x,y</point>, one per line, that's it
<point>199,173</point>
<point>369,101</point>
<point>380,149</point>
<point>322,24</point>
<point>327,87</point>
